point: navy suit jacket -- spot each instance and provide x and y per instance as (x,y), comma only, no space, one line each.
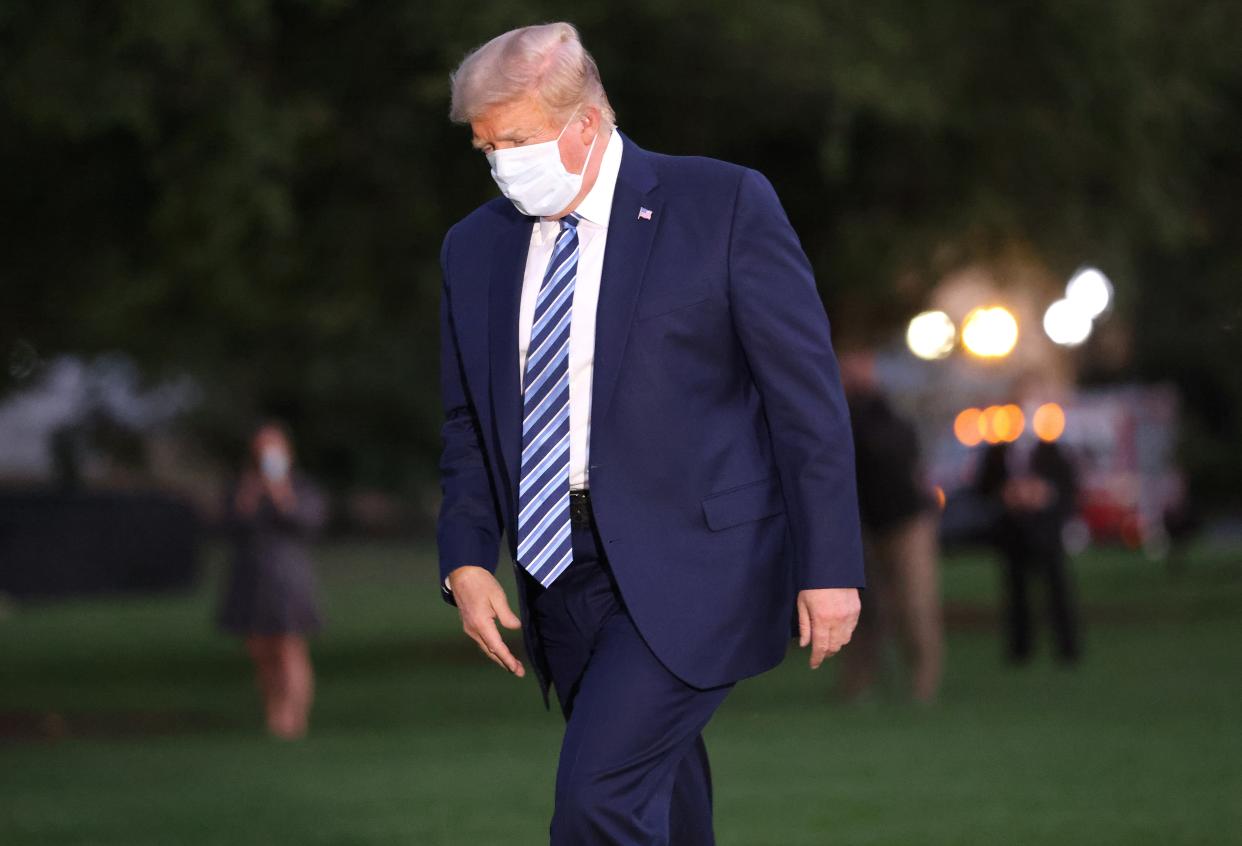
(721,463)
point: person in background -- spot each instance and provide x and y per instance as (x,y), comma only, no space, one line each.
(270,595)
(899,516)
(1035,489)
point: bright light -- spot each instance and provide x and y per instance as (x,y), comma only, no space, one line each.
(986,428)
(966,427)
(931,335)
(990,332)
(1090,291)
(1048,421)
(1009,423)
(1001,424)
(1067,323)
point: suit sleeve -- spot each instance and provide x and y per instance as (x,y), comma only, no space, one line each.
(991,476)
(784,332)
(468,530)
(1064,480)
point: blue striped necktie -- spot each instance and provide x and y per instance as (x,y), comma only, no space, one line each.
(545,548)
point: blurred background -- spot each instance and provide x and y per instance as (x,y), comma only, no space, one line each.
(217,213)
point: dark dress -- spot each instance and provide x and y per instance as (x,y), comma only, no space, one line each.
(271,585)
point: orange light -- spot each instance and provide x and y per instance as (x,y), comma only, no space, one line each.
(987,424)
(1009,423)
(966,427)
(1048,421)
(940,497)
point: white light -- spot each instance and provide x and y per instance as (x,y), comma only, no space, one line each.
(990,332)
(931,334)
(1090,291)
(1066,323)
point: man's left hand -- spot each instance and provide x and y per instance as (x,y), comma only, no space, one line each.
(826,620)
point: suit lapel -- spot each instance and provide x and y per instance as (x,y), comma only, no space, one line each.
(504,299)
(625,259)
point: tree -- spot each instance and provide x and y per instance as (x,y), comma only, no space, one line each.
(256,190)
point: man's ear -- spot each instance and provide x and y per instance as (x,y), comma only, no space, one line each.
(591,125)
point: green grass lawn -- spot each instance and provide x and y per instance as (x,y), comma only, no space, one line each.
(131,722)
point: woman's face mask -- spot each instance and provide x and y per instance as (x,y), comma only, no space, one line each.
(274,463)
(534,178)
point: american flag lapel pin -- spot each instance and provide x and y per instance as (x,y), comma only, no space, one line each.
(644,213)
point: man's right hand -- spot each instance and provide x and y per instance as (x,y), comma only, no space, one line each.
(481,601)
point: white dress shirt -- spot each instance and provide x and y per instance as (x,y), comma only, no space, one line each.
(595,209)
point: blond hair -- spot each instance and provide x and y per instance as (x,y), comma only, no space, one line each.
(547,61)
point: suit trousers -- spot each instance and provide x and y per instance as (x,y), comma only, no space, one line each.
(633,768)
(1033,551)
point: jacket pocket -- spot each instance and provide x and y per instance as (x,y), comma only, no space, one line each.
(662,304)
(744,504)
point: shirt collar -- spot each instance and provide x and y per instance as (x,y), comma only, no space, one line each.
(596,206)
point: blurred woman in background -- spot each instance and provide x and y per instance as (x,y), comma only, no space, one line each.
(270,595)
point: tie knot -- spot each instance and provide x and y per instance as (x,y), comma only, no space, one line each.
(570,222)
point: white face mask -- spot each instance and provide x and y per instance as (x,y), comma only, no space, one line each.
(274,463)
(534,178)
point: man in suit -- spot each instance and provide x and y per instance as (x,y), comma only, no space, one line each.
(640,392)
(1034,487)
